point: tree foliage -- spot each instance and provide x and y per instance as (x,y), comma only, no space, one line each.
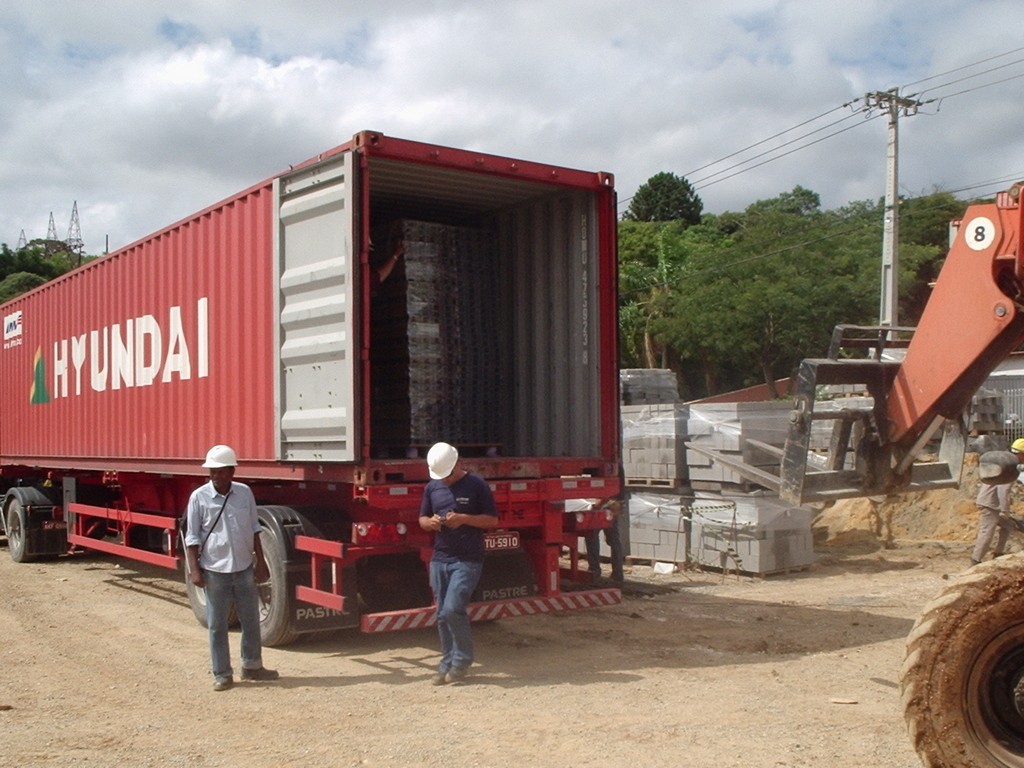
(665,197)
(18,283)
(740,298)
(38,262)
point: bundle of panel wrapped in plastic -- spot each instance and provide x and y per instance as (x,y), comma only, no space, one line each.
(434,358)
(735,429)
(753,534)
(654,445)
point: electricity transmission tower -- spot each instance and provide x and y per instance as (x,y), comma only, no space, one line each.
(74,239)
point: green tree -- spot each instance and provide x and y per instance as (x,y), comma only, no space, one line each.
(43,259)
(651,258)
(19,283)
(749,312)
(665,197)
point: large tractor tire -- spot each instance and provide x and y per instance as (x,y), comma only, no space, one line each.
(964,664)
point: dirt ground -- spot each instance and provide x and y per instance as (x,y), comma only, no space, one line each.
(103,665)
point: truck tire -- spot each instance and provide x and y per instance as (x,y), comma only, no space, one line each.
(964,658)
(16,526)
(276,627)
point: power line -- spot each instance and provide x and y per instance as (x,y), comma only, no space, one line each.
(711,179)
(971,77)
(739,168)
(770,151)
(940,99)
(961,68)
(774,136)
(785,154)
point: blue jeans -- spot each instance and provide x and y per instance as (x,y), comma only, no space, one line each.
(239,588)
(453,584)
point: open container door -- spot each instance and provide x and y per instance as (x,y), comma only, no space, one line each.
(313,255)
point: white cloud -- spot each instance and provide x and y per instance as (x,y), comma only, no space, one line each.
(147,112)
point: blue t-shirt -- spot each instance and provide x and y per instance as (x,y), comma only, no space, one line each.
(470,495)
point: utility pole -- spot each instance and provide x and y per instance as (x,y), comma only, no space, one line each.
(895,105)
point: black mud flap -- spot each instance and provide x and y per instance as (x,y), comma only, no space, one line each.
(507,574)
(44,536)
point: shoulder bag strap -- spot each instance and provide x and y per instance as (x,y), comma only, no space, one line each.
(215,521)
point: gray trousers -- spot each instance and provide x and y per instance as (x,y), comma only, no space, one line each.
(989,521)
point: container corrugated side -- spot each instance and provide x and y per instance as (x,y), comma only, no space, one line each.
(152,353)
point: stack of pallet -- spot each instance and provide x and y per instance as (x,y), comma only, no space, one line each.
(684,507)
(659,526)
(436,370)
(748,534)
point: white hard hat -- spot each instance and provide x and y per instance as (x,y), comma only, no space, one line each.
(441,460)
(220,456)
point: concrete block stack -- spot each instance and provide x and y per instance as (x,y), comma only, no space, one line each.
(638,386)
(759,535)
(726,428)
(986,413)
(821,431)
(658,527)
(654,445)
(686,508)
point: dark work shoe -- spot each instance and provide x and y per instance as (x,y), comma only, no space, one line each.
(222,683)
(260,673)
(456,675)
(439,679)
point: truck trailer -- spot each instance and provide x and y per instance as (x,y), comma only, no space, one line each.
(263,322)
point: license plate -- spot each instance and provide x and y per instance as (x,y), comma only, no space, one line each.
(503,540)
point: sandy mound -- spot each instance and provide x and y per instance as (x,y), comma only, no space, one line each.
(944,515)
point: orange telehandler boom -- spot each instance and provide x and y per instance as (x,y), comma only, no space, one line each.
(972,321)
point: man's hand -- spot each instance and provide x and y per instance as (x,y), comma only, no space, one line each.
(433,523)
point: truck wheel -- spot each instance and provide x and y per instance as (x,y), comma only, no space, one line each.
(964,658)
(16,526)
(276,627)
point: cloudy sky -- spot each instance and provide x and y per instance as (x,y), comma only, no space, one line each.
(145,112)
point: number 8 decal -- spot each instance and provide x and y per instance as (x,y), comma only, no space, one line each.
(979,233)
